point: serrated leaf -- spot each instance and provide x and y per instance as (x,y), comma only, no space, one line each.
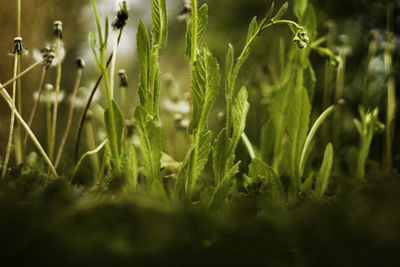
(159,23)
(321,183)
(202,21)
(151,144)
(206,196)
(297,124)
(272,190)
(229,66)
(205,87)
(224,188)
(239,114)
(193,165)
(119,126)
(221,156)
(280,12)
(143,50)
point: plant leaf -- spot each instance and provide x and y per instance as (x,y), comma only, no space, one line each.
(297,125)
(239,114)
(159,23)
(205,87)
(280,12)
(119,125)
(193,165)
(143,49)
(253,28)
(272,190)
(202,17)
(299,7)
(324,173)
(151,144)
(224,188)
(221,156)
(132,169)
(229,66)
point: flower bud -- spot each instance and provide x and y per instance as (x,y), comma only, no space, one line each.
(122,16)
(18,48)
(80,62)
(48,55)
(58,28)
(123,80)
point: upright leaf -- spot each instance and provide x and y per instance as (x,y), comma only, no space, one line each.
(272,190)
(280,12)
(159,23)
(324,173)
(229,66)
(253,27)
(119,125)
(297,125)
(221,156)
(151,144)
(205,87)
(193,165)
(299,7)
(201,28)
(143,49)
(224,188)
(239,114)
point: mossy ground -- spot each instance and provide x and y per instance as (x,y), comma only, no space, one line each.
(55,224)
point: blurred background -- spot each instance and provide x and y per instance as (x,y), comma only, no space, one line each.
(228,23)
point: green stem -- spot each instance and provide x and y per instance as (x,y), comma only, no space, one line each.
(70,115)
(36,104)
(22,73)
(55,110)
(8,99)
(13,110)
(248,145)
(194,33)
(92,152)
(310,136)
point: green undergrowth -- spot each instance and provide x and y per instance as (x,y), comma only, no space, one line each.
(54,223)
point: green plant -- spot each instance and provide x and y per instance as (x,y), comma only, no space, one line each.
(367,127)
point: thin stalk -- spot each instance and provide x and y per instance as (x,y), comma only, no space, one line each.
(36,104)
(92,152)
(341,70)
(89,102)
(391,90)
(31,67)
(112,68)
(371,54)
(19,148)
(48,123)
(328,81)
(13,110)
(92,145)
(55,109)
(8,99)
(19,11)
(70,115)
(248,145)
(310,136)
